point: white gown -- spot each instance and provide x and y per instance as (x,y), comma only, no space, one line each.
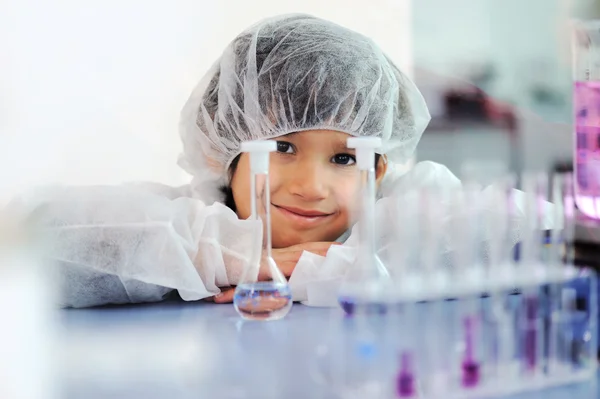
(137,243)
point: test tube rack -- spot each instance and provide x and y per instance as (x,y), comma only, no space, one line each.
(545,337)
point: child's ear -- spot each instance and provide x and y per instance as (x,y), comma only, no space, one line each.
(381,169)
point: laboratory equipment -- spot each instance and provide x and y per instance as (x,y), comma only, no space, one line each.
(500,325)
(263,292)
(406,377)
(471,365)
(586,102)
(586,165)
(367,285)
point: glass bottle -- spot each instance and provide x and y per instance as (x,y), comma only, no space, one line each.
(263,292)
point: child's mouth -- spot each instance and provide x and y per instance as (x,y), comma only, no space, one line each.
(302,216)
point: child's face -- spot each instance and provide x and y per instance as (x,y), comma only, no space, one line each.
(313,180)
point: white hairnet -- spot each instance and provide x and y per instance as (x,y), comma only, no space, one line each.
(293,73)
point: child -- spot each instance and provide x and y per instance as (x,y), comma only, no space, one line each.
(308,84)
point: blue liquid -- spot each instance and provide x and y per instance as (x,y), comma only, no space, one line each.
(263,300)
(351,306)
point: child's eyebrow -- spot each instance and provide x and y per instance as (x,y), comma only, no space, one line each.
(341,146)
(290,135)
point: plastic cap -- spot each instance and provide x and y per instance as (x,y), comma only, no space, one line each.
(259,154)
(259,146)
(364,142)
(365,150)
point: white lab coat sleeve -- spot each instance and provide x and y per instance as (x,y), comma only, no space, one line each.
(136,243)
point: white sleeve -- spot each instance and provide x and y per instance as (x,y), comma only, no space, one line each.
(127,244)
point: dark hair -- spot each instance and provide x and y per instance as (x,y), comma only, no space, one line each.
(226,190)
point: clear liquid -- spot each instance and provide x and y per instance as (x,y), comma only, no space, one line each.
(586,98)
(263,300)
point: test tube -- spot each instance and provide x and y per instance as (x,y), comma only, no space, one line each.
(468,275)
(568,214)
(568,342)
(576,345)
(434,341)
(500,345)
(263,292)
(471,363)
(407,373)
(532,273)
(500,266)
(557,249)
(535,188)
(367,284)
(409,251)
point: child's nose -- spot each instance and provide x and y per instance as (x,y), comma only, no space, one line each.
(309,183)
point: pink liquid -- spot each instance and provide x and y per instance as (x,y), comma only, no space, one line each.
(586,98)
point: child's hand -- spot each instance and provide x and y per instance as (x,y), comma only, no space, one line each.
(286,259)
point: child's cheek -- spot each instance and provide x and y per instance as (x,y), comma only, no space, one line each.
(274,178)
(346,197)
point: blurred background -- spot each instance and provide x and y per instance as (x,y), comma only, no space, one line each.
(91,91)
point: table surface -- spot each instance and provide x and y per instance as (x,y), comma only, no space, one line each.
(176,349)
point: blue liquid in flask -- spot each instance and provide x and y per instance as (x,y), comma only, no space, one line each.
(263,300)
(586,97)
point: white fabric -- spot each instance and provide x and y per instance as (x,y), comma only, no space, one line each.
(137,243)
(316,279)
(292,73)
(130,244)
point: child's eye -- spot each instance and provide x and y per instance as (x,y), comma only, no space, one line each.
(285,147)
(343,159)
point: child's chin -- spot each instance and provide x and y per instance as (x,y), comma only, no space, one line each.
(287,241)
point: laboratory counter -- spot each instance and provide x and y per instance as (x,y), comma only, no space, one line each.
(176,349)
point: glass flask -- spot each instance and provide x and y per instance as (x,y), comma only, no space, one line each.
(263,292)
(367,285)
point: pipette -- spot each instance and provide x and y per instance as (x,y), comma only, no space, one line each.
(367,284)
(263,292)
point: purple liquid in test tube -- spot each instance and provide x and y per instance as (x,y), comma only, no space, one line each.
(530,344)
(405,382)
(470,367)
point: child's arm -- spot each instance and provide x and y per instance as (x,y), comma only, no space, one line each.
(110,245)
(286,259)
